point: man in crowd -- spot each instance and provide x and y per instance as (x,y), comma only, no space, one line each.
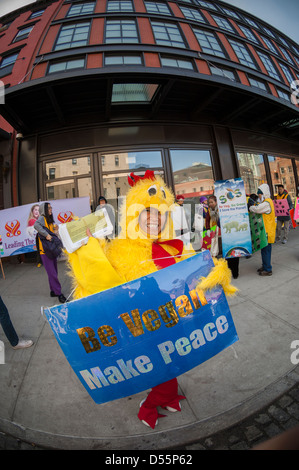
(265,206)
(283,221)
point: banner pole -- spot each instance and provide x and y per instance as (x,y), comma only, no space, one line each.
(2,269)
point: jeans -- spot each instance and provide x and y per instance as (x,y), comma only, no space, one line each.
(282,225)
(266,257)
(6,324)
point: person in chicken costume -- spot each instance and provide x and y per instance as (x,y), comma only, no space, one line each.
(144,245)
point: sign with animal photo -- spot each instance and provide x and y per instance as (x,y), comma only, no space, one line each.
(234,218)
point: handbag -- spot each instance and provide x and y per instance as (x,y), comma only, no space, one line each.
(52,248)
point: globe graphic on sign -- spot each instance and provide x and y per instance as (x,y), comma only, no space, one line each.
(230,195)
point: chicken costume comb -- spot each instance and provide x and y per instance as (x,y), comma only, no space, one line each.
(133,179)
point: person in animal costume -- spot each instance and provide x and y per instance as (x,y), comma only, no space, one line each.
(144,245)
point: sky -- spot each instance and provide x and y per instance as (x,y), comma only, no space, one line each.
(282,14)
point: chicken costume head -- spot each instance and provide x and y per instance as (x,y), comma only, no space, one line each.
(144,245)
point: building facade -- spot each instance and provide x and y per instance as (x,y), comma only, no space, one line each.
(195,90)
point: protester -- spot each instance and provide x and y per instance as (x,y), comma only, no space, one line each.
(145,247)
(266,208)
(283,221)
(46,228)
(9,330)
(102,202)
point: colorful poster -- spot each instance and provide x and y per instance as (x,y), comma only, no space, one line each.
(234,218)
(142,333)
(258,232)
(281,207)
(17,233)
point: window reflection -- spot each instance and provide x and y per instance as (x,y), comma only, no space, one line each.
(65,168)
(252,171)
(282,173)
(192,172)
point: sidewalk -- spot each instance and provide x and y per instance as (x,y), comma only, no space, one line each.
(43,402)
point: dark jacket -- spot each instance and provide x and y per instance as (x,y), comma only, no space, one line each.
(52,248)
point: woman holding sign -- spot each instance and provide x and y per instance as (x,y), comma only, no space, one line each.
(46,228)
(265,207)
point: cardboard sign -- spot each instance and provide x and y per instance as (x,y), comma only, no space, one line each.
(142,333)
(281,207)
(258,232)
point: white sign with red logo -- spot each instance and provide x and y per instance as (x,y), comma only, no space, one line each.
(17,233)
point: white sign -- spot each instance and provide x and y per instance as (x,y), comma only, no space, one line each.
(17,233)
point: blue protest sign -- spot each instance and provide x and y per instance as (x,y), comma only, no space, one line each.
(142,333)
(234,218)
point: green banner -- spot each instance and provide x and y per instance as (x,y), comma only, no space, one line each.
(258,232)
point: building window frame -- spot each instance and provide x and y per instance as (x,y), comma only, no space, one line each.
(120,6)
(77,9)
(74,32)
(120,26)
(169,31)
(243,54)
(208,42)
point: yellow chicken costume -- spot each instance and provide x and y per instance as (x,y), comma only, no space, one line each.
(144,245)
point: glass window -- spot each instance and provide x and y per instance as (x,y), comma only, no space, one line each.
(132,160)
(123,60)
(167,34)
(61,189)
(257,84)
(23,34)
(224,73)
(192,172)
(9,60)
(36,14)
(268,31)
(208,43)
(252,23)
(269,66)
(249,34)
(287,55)
(74,35)
(282,173)
(133,92)
(282,94)
(287,73)
(121,5)
(231,13)
(205,4)
(81,9)
(67,65)
(243,54)
(156,7)
(174,62)
(223,23)
(121,31)
(64,168)
(270,44)
(193,14)
(252,171)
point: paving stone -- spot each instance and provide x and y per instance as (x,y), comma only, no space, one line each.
(252,433)
(263,418)
(272,430)
(293,409)
(280,415)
